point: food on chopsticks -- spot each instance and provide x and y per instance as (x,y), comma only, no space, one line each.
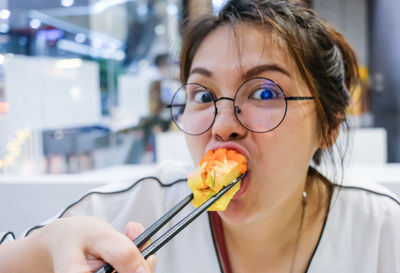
(216,170)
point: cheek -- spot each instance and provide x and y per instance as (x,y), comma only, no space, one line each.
(197,146)
(292,144)
(302,134)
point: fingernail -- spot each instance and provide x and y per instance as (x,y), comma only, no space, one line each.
(141,270)
(136,230)
(139,228)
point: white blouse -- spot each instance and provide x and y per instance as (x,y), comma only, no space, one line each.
(361,233)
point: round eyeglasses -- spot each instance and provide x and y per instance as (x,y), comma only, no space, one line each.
(259,105)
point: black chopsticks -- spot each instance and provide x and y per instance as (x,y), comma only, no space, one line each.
(168,235)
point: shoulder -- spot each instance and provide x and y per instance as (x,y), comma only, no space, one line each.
(366,199)
(361,231)
(364,204)
(141,198)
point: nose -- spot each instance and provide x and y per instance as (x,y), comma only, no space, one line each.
(226,126)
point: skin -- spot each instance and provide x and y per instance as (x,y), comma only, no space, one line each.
(262,224)
(69,245)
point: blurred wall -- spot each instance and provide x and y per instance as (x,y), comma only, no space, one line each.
(350,17)
(385,70)
(51,92)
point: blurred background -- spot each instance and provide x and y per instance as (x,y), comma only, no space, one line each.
(84,83)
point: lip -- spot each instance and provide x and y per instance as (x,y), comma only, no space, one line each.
(243,186)
(243,151)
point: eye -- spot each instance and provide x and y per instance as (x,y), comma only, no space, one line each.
(265,94)
(202,96)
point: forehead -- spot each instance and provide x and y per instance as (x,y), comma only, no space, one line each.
(238,48)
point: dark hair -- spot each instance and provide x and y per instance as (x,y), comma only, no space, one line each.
(325,60)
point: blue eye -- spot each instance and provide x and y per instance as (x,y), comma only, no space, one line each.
(203,97)
(264,94)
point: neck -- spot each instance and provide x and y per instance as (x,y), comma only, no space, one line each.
(271,241)
(278,230)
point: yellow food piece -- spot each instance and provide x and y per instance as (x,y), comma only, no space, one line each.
(215,171)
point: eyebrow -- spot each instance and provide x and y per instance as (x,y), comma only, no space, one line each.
(257,70)
(201,71)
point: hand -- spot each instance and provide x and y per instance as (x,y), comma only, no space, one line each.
(83,244)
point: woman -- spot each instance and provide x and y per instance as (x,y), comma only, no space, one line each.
(269,79)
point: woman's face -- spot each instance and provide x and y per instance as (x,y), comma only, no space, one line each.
(277,160)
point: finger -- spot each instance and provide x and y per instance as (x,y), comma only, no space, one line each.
(152,262)
(119,251)
(133,230)
(94,263)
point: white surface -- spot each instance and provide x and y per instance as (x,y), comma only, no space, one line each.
(369,146)
(387,175)
(362,146)
(133,95)
(26,201)
(172,145)
(51,92)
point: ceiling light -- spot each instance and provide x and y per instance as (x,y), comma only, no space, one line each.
(159,30)
(67,3)
(80,38)
(35,23)
(5,14)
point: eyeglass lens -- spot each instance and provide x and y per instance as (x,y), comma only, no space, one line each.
(259,105)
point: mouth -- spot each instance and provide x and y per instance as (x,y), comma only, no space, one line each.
(245,181)
(243,186)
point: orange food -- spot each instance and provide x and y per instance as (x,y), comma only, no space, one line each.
(216,170)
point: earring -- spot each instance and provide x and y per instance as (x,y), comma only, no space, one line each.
(304,200)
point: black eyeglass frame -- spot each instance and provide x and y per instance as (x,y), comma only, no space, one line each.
(235,107)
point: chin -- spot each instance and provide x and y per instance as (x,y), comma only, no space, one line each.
(236,213)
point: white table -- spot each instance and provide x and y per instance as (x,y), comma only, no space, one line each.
(26,201)
(387,175)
